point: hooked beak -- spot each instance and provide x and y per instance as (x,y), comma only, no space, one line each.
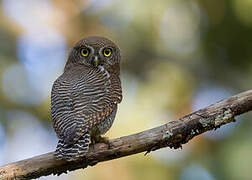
(96,61)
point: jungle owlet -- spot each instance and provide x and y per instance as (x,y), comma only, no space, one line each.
(84,98)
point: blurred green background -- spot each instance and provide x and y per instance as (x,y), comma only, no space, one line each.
(178,56)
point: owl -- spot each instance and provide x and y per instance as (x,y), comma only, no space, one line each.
(85,97)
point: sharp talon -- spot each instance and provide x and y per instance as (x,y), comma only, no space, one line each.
(104,140)
(100,139)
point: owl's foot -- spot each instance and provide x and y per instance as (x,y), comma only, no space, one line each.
(99,139)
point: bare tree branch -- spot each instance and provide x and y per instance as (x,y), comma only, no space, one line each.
(172,134)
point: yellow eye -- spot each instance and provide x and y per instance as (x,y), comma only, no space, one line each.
(84,52)
(107,52)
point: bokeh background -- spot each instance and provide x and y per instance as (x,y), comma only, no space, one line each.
(178,56)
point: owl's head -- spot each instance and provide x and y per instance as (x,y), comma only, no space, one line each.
(95,51)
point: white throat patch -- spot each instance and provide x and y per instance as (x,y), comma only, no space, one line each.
(104,70)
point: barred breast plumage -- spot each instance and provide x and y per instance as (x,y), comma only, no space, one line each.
(84,98)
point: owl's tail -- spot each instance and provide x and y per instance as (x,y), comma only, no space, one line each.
(73,151)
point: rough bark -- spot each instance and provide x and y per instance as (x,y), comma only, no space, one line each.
(173,135)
